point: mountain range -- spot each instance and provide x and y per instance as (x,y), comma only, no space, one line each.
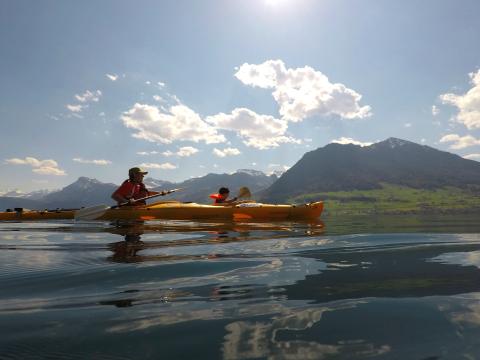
(87,192)
(334,167)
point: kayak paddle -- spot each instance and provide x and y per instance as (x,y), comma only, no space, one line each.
(94,212)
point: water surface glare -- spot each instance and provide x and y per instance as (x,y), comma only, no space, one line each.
(398,287)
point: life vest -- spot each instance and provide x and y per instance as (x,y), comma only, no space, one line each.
(218,198)
(131,190)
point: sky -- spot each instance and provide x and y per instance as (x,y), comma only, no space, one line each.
(185,88)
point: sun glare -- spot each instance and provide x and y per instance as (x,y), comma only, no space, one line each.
(274,2)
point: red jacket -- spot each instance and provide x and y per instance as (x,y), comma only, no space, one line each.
(131,190)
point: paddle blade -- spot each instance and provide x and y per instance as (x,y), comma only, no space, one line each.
(91,213)
(244,192)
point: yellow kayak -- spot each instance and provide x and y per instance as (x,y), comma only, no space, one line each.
(175,210)
(27,215)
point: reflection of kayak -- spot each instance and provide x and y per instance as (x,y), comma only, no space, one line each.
(175,210)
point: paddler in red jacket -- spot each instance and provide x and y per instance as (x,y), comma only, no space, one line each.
(222,197)
(133,188)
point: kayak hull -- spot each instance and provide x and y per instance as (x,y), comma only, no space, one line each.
(194,211)
(34,215)
(174,210)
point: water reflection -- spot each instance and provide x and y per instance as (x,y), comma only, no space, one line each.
(128,250)
(238,290)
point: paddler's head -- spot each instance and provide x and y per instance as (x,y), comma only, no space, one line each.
(136,174)
(224,192)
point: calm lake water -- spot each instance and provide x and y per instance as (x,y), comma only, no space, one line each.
(399,287)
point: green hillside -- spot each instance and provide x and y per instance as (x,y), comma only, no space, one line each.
(395,199)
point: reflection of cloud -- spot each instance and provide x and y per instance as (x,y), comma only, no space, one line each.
(471,258)
(260,340)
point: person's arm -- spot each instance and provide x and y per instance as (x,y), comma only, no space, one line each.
(119,198)
(119,195)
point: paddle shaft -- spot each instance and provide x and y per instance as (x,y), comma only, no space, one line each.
(163,193)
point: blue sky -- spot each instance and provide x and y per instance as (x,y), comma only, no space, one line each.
(189,87)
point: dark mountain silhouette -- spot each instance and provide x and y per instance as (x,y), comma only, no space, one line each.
(337,167)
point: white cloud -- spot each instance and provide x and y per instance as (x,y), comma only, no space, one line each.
(147,152)
(408,125)
(164,166)
(94,162)
(75,108)
(303,92)
(112,77)
(472,156)
(259,131)
(180,123)
(435,110)
(161,84)
(226,152)
(44,167)
(157,98)
(468,104)
(186,151)
(89,96)
(346,140)
(460,142)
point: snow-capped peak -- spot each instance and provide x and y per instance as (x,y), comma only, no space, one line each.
(251,172)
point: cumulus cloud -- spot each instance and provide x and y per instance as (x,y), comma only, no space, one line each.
(89,96)
(179,123)
(43,167)
(347,140)
(468,104)
(460,142)
(258,131)
(226,152)
(164,166)
(303,92)
(186,151)
(112,77)
(472,156)
(435,110)
(94,162)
